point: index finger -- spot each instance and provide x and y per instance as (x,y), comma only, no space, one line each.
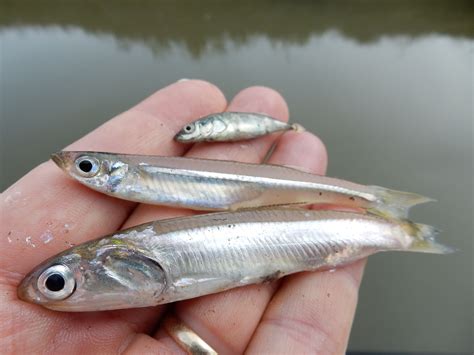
(46,212)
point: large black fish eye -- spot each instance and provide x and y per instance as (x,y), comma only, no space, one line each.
(188,128)
(85,166)
(55,282)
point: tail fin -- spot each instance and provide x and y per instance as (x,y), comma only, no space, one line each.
(424,239)
(395,204)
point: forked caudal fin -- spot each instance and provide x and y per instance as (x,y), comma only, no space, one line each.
(424,239)
(395,204)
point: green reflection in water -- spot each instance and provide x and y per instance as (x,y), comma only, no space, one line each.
(200,25)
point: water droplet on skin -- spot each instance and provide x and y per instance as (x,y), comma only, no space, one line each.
(46,237)
(68,227)
(14,235)
(13,197)
(29,242)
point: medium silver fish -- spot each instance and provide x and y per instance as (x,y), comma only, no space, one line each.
(204,184)
(181,258)
(232,126)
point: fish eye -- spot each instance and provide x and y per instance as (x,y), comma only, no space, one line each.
(189,128)
(57,282)
(87,166)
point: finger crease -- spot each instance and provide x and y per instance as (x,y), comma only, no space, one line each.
(303,332)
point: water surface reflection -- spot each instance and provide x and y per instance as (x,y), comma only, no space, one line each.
(199,26)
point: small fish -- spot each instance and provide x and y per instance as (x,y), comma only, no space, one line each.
(182,258)
(204,184)
(232,126)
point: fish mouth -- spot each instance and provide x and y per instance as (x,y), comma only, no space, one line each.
(26,292)
(179,137)
(62,159)
(22,292)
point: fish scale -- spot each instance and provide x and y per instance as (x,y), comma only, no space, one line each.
(232,126)
(181,258)
(205,184)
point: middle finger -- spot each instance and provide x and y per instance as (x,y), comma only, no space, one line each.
(227,320)
(254,99)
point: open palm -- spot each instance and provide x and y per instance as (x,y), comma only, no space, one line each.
(45,212)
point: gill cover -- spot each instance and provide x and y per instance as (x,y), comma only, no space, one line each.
(106,276)
(118,278)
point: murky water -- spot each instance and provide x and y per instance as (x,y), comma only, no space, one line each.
(387,85)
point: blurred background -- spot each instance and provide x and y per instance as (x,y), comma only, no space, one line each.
(387,85)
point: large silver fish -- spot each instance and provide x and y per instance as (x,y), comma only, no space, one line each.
(223,185)
(182,258)
(232,126)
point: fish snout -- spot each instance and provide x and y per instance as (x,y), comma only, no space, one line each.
(182,136)
(62,159)
(27,292)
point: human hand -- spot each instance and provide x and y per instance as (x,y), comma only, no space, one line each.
(45,212)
